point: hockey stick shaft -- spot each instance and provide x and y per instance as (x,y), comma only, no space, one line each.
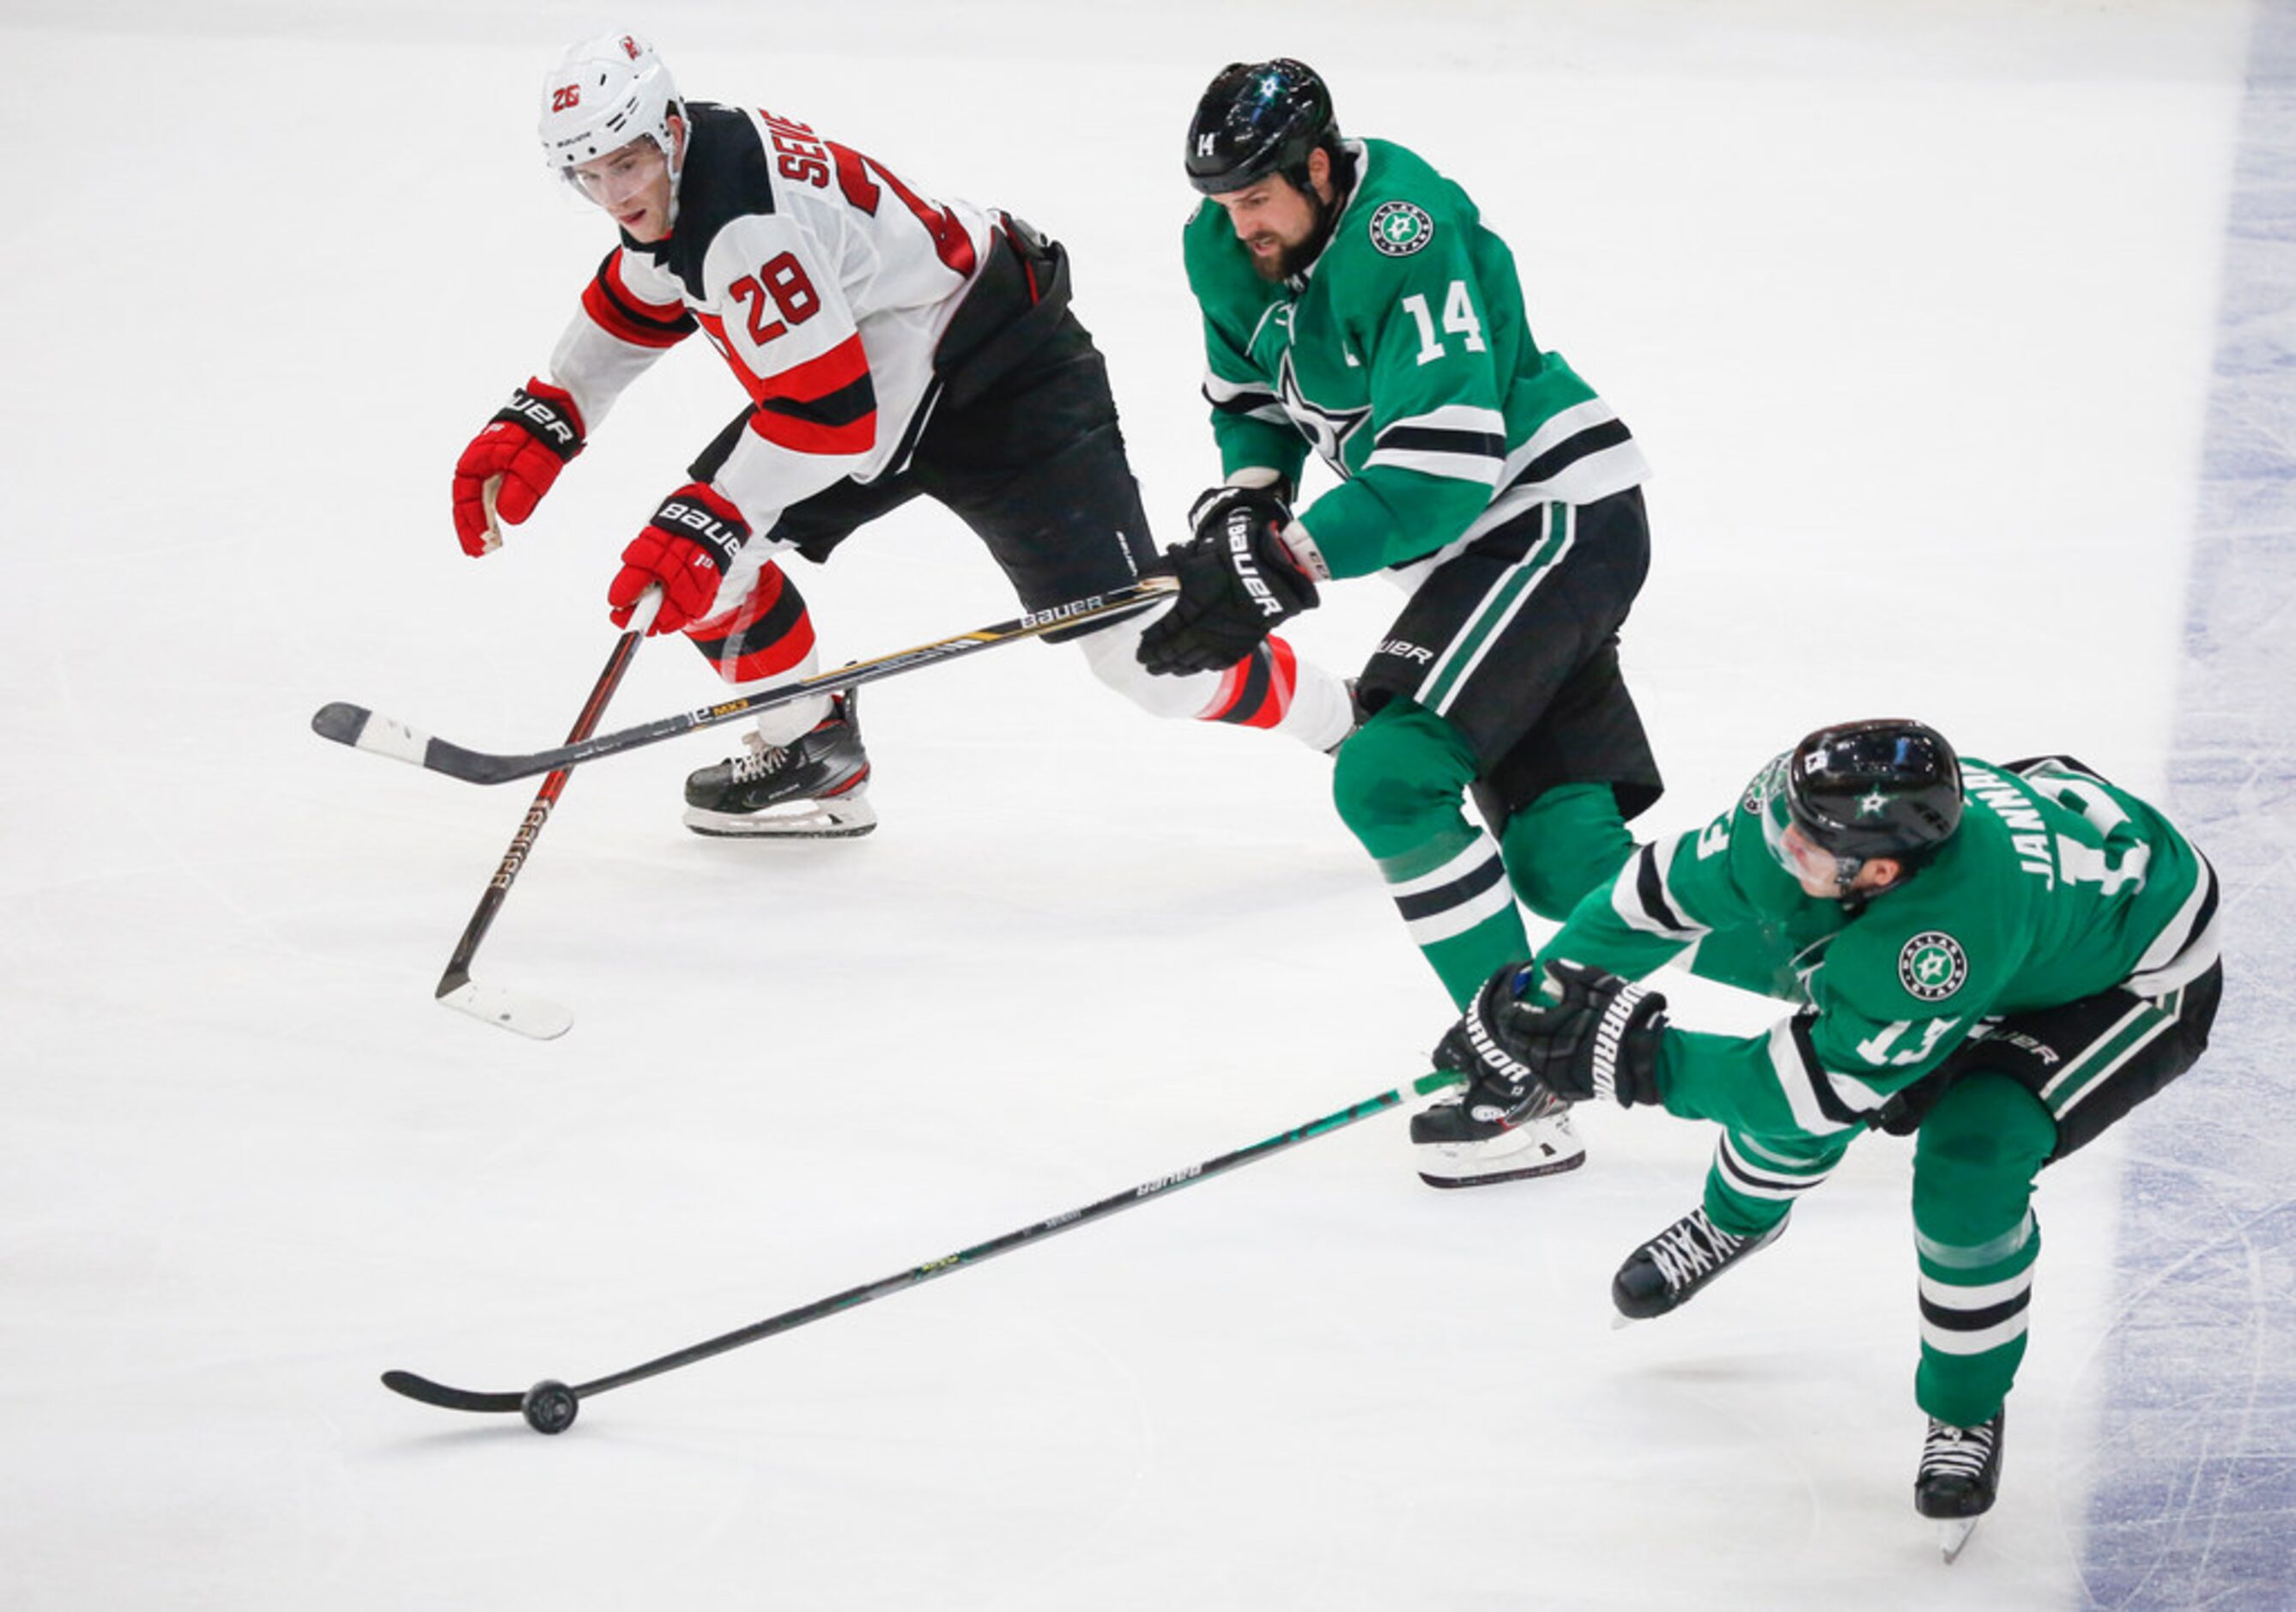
(357,726)
(529,829)
(463,1399)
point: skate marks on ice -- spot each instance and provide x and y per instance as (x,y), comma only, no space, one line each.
(2194,1501)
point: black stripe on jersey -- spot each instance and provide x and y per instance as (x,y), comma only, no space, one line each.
(1258,673)
(785,616)
(1651,891)
(1572,448)
(1458,893)
(683,325)
(1829,1100)
(1243,402)
(2030,765)
(1946,1320)
(1744,1175)
(726,176)
(857,399)
(1431,439)
(2206,916)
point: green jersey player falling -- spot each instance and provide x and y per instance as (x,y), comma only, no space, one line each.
(1354,302)
(2003,960)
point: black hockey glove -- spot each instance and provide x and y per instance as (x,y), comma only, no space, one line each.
(1600,1041)
(1237,581)
(1500,1085)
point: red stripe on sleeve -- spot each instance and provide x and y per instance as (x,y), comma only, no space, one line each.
(609,318)
(667,312)
(611,312)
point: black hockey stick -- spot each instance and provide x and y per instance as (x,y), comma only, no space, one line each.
(357,726)
(550,1405)
(534,1015)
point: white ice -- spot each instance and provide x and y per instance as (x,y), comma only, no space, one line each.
(1911,305)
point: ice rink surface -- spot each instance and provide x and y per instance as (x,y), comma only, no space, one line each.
(1925,316)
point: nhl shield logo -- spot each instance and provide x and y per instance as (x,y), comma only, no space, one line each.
(1932,965)
(1398,228)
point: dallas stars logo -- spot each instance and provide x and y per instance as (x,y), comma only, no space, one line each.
(1328,429)
(1932,965)
(1873,804)
(1398,228)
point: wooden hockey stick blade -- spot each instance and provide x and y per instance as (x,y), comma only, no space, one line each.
(533,1016)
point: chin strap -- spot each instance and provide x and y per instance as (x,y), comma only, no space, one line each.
(1327,213)
(1846,870)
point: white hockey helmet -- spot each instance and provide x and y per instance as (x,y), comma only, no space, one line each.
(603,92)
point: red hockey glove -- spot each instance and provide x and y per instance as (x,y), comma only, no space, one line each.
(684,550)
(512,462)
(1237,581)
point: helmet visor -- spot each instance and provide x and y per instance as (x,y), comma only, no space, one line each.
(1804,859)
(620,178)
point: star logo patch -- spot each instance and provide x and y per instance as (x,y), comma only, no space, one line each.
(1873,803)
(1932,965)
(1400,228)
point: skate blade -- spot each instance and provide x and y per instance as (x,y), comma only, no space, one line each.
(1953,1534)
(532,1017)
(821,821)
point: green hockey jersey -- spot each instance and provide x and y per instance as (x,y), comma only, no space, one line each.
(1403,356)
(2057,886)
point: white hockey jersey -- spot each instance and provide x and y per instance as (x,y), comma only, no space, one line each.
(822,279)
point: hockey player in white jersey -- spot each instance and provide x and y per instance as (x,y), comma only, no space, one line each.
(891,344)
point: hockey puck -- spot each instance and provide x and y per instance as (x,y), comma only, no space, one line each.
(549,1406)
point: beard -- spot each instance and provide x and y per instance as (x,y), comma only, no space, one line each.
(1286,262)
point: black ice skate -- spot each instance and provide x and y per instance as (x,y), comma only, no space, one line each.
(1960,1475)
(1667,1271)
(813,787)
(1458,1148)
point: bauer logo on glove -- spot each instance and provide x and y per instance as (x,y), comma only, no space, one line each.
(1237,582)
(1241,528)
(723,537)
(685,550)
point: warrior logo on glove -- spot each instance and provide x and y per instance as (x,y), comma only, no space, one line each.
(1599,1040)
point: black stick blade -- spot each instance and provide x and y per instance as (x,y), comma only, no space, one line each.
(445,1398)
(340,721)
(362,729)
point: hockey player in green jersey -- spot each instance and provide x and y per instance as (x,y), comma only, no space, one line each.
(1353,301)
(2000,960)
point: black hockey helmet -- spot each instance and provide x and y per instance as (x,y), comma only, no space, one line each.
(1258,118)
(1880,788)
